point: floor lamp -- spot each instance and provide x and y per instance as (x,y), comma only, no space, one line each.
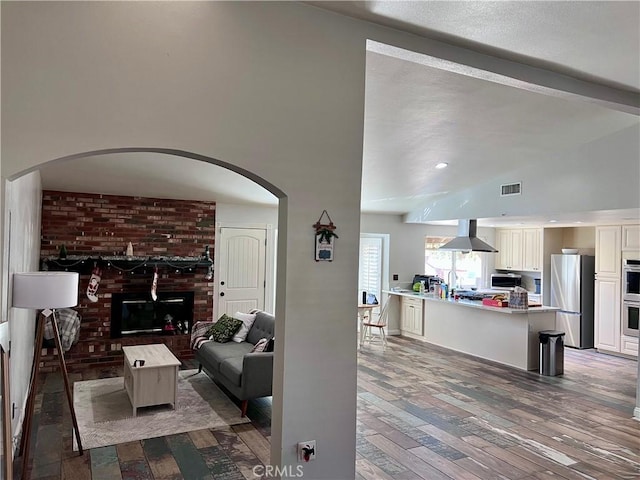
(45,291)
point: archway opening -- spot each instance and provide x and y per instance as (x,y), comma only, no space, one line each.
(183,160)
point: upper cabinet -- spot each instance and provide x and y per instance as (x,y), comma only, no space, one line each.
(608,255)
(630,238)
(509,245)
(519,249)
(532,249)
(503,245)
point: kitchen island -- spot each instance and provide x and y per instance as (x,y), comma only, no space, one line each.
(501,334)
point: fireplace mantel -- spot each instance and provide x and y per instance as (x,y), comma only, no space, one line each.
(85,263)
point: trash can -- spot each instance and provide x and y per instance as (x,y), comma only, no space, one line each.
(551,353)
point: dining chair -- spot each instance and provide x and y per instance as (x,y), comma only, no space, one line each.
(380,324)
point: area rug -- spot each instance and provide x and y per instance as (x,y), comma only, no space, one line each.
(105,416)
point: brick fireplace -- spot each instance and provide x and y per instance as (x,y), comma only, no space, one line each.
(95,228)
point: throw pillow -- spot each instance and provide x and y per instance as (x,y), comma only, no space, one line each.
(225,328)
(247,322)
(212,326)
(260,345)
(270,344)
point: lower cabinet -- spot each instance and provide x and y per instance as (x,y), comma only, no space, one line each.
(607,314)
(411,315)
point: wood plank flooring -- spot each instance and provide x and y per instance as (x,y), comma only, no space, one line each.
(423,413)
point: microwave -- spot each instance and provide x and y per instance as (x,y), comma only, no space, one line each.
(631,280)
(505,281)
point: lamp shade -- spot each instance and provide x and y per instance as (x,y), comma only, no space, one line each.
(45,289)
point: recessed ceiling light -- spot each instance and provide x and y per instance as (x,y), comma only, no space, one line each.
(442,165)
(578,221)
(553,221)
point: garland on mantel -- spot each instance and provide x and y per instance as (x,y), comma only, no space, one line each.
(134,262)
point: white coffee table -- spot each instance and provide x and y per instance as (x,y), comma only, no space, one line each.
(156,382)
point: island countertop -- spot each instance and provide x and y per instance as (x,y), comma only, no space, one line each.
(470,303)
(501,334)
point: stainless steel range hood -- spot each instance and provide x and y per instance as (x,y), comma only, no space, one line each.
(466,240)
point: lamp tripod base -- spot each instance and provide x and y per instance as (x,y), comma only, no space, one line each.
(26,426)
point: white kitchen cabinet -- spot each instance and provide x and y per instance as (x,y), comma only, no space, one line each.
(608,251)
(607,313)
(516,250)
(503,245)
(411,315)
(630,238)
(532,249)
(509,245)
(629,345)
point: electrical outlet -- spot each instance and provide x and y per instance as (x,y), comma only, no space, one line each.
(395,277)
(307,451)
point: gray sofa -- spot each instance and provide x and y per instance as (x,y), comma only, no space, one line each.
(246,375)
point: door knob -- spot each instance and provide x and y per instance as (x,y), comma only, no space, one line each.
(222,283)
(222,294)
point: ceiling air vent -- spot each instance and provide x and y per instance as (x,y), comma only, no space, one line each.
(511,189)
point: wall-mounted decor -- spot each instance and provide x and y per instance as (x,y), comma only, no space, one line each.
(325,232)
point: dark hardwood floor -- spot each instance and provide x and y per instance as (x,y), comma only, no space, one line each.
(423,413)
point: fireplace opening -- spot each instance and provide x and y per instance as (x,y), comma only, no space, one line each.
(135,313)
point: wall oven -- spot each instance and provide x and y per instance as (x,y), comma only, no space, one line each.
(630,318)
(631,280)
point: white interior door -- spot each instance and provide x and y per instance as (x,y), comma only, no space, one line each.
(241,272)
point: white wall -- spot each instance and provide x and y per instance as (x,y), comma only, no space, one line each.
(582,238)
(246,215)
(23,203)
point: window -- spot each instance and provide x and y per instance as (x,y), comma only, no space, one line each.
(468,267)
(370,271)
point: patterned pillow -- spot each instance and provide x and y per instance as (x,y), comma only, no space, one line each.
(212,326)
(260,345)
(224,329)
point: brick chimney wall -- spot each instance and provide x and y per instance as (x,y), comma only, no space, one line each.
(103,225)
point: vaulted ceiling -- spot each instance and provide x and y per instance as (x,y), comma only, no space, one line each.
(418,114)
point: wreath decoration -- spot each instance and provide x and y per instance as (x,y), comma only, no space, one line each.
(326,231)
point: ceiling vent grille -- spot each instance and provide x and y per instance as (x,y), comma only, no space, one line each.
(511,189)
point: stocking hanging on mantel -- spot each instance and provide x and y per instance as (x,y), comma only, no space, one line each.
(325,232)
(154,285)
(94,283)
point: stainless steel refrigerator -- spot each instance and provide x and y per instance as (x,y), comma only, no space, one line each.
(572,285)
